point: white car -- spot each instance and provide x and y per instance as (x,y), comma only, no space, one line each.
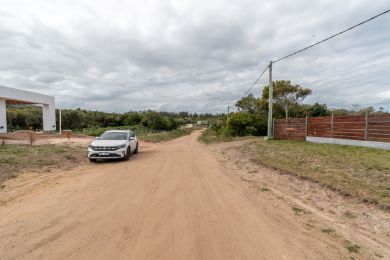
(113,144)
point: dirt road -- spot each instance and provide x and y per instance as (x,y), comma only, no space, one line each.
(173,200)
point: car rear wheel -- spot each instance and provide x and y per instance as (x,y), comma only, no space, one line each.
(136,149)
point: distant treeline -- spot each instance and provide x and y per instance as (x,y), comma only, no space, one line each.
(30,117)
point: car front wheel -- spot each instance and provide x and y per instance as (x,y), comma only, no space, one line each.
(127,155)
(136,149)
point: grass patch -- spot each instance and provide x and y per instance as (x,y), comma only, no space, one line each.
(299,211)
(358,171)
(264,189)
(210,136)
(353,248)
(328,230)
(155,137)
(349,214)
(15,159)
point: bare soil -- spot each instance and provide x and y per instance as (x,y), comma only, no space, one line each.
(174,200)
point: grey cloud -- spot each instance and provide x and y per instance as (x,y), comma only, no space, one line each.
(197,56)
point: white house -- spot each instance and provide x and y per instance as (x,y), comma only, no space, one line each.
(17,96)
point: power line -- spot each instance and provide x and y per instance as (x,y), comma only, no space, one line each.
(330,37)
(254,83)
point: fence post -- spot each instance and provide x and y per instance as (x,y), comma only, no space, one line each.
(366,128)
(331,125)
(306,126)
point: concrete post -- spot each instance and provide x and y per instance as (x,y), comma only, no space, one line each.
(306,126)
(49,117)
(60,121)
(366,128)
(270,99)
(3,116)
(332,125)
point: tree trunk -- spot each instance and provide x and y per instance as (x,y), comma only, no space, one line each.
(286,111)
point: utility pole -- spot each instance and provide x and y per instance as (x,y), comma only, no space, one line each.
(270,98)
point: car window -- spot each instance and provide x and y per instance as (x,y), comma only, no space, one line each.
(113,136)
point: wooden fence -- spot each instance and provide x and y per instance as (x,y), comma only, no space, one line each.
(360,127)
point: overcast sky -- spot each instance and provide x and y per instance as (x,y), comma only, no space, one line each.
(198,56)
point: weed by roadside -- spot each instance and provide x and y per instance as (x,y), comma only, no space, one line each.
(328,230)
(299,211)
(353,248)
(210,136)
(15,159)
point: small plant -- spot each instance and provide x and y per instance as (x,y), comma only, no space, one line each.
(353,248)
(12,175)
(264,189)
(349,214)
(69,157)
(328,230)
(299,211)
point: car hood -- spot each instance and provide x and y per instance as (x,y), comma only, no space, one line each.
(108,142)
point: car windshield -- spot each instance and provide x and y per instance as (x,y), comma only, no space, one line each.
(113,136)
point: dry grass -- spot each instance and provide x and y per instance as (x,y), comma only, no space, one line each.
(163,136)
(15,159)
(361,172)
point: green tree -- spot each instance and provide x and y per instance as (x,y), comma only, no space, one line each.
(318,110)
(285,94)
(249,104)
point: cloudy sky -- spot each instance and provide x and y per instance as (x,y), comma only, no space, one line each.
(199,56)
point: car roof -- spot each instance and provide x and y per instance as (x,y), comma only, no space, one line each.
(120,131)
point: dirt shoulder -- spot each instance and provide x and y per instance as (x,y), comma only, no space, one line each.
(361,227)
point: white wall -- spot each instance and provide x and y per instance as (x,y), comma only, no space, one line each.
(48,102)
(3,119)
(369,144)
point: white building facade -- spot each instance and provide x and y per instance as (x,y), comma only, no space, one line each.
(17,96)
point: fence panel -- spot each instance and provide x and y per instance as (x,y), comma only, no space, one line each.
(290,129)
(357,127)
(349,127)
(319,126)
(379,128)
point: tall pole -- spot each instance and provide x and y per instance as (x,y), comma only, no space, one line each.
(60,121)
(270,98)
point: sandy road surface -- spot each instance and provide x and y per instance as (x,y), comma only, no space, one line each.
(173,200)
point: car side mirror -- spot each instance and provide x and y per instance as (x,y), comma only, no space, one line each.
(131,138)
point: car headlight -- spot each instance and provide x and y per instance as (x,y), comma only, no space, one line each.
(122,146)
(90,146)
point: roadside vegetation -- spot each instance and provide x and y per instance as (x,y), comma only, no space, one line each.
(354,171)
(155,137)
(27,117)
(143,133)
(15,159)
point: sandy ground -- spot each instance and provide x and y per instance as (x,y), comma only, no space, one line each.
(173,200)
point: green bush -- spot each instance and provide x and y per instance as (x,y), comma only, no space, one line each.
(245,123)
(156,121)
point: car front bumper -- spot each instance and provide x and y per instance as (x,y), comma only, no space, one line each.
(120,153)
